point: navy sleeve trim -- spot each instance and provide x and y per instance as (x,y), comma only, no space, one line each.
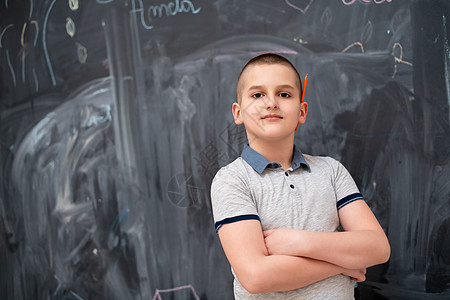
(235,219)
(350,198)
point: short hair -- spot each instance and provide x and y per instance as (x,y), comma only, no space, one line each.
(267,59)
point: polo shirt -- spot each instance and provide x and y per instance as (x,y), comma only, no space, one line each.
(306,196)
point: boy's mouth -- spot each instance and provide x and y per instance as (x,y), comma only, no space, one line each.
(272,117)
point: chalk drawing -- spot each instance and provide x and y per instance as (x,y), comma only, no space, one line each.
(11,69)
(366,2)
(297,7)
(184,287)
(134,10)
(70,27)
(44,43)
(326,18)
(446,60)
(399,59)
(74,5)
(3,32)
(300,41)
(353,45)
(366,35)
(184,103)
(173,8)
(31,9)
(76,295)
(59,286)
(13,75)
(22,34)
(36,82)
(35,23)
(22,43)
(23,65)
(182,191)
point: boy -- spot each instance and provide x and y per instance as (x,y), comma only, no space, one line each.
(277,211)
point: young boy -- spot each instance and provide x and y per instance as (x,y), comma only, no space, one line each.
(277,211)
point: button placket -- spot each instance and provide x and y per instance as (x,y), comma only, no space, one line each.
(288,181)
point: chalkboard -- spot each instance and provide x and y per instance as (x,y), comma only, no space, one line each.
(116,114)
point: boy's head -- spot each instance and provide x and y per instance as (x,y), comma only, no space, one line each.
(269,97)
(268,59)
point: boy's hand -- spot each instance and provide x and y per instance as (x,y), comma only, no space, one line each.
(356,275)
(293,242)
(284,241)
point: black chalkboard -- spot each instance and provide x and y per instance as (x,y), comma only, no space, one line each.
(115,116)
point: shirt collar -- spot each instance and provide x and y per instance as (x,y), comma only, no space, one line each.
(259,163)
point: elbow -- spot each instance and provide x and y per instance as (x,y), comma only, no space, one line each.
(378,253)
(254,281)
(385,252)
(253,286)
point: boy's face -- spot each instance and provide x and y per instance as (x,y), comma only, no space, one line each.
(269,104)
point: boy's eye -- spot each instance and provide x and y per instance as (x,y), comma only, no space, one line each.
(257,95)
(284,95)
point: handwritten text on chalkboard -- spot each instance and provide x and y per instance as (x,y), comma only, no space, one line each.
(350,2)
(173,8)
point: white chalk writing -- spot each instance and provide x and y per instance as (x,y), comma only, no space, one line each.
(170,9)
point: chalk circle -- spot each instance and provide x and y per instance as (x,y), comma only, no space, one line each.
(70,27)
(82,53)
(182,191)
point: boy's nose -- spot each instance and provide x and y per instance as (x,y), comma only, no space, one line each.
(271,103)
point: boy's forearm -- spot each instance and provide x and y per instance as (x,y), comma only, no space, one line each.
(353,250)
(276,273)
(361,245)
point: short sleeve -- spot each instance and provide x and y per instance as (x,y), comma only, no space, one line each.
(231,198)
(345,187)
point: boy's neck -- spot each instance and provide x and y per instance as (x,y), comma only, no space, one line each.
(280,152)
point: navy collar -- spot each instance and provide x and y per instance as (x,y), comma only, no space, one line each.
(259,163)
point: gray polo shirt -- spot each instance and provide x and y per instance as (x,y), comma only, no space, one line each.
(306,196)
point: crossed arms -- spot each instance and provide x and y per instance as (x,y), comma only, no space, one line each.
(286,259)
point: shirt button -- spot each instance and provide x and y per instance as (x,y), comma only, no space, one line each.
(286,173)
(292,186)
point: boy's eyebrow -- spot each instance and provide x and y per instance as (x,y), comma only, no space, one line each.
(261,87)
(256,87)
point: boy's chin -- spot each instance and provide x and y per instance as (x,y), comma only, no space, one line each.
(274,136)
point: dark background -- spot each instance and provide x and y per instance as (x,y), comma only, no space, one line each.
(115,116)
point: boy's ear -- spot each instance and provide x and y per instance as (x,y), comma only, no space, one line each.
(236,109)
(303,112)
